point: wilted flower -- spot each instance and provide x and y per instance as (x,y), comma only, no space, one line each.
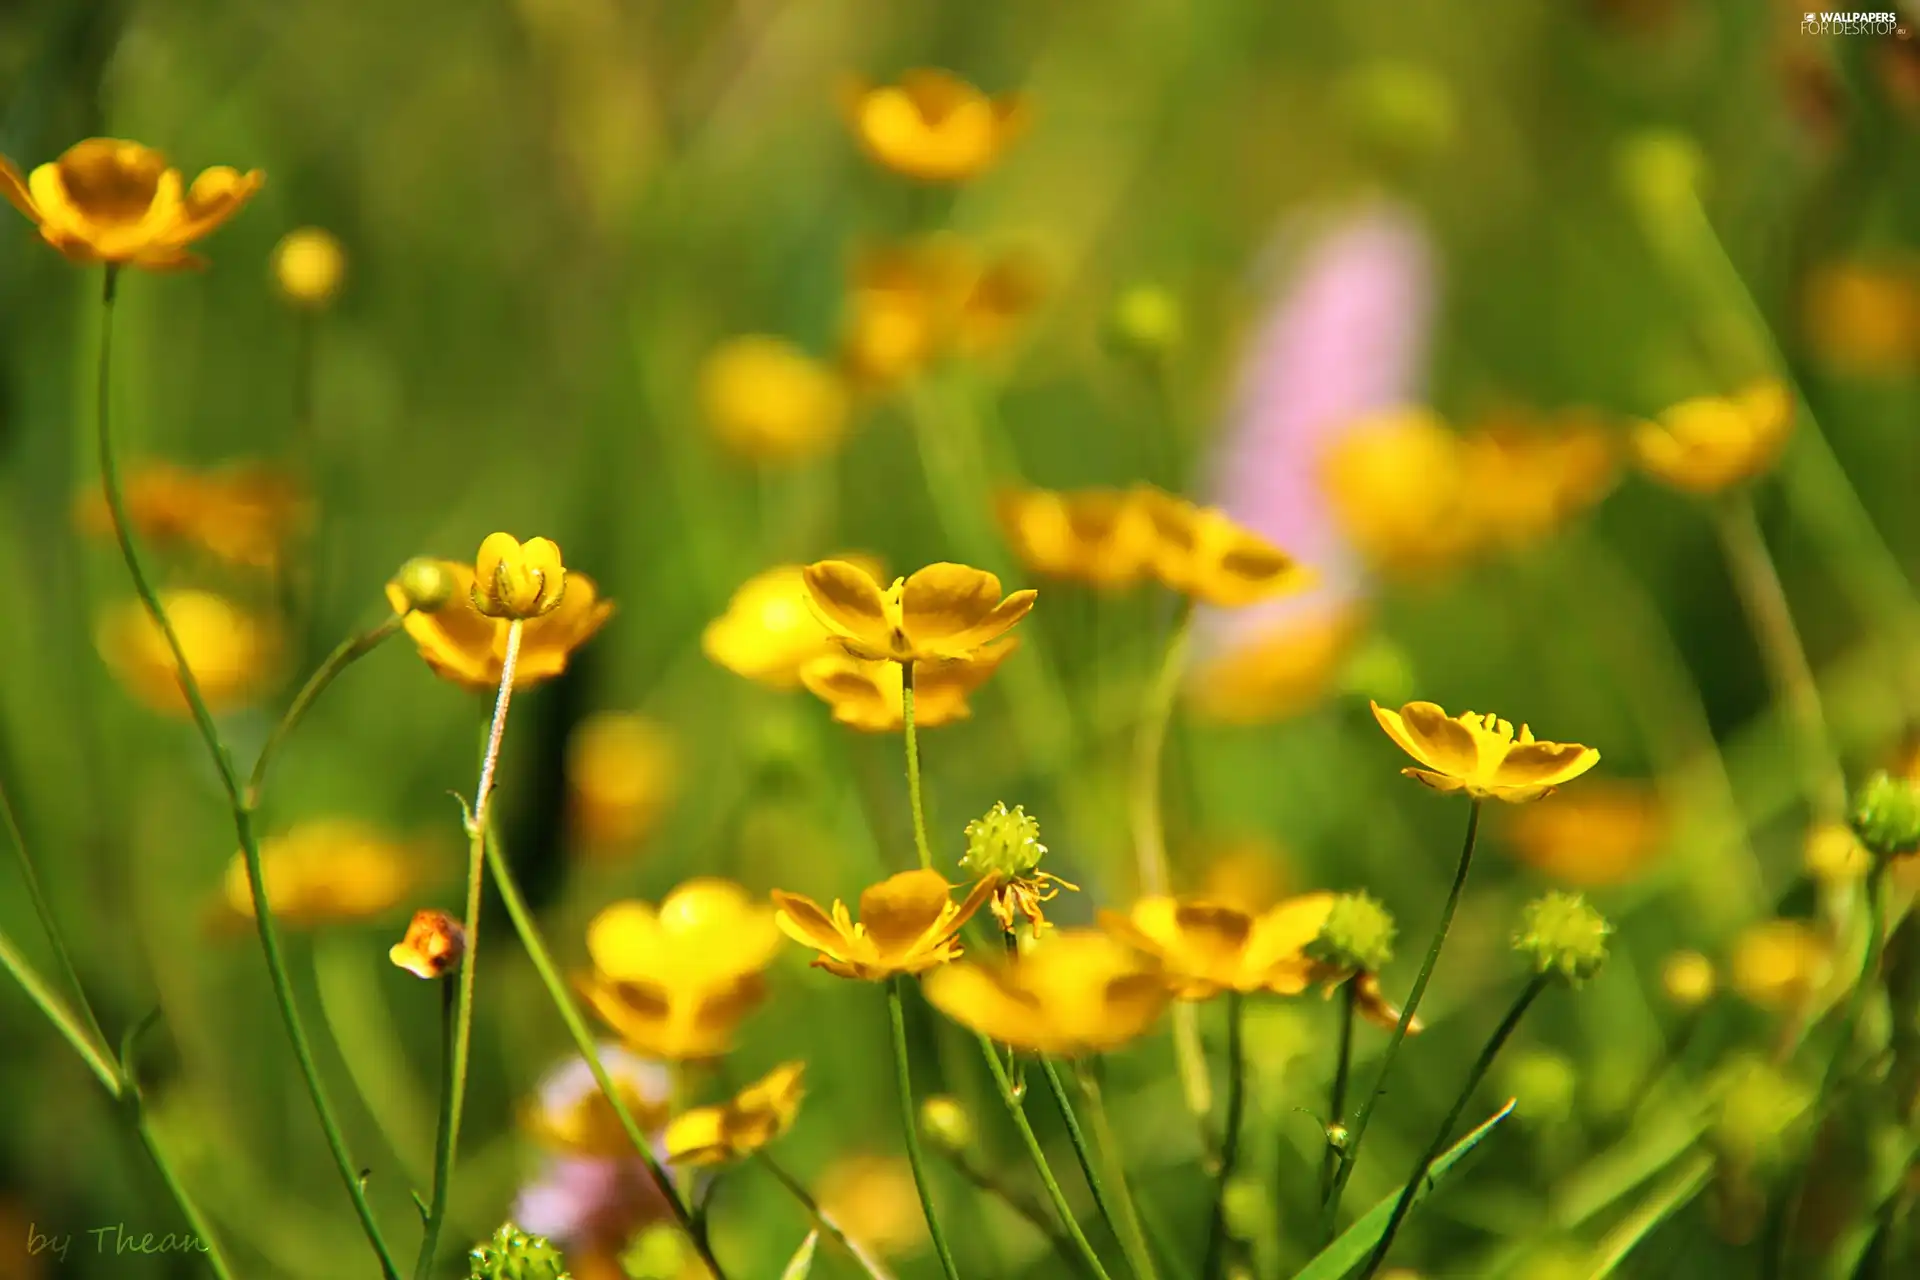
(1562,934)
(515,580)
(1709,443)
(1398,486)
(242,514)
(1003,846)
(1779,964)
(571,1116)
(767,400)
(1097,536)
(118,202)
(621,774)
(908,924)
(1206,948)
(939,613)
(933,125)
(234,655)
(467,647)
(1480,755)
(1687,978)
(1200,552)
(327,870)
(434,945)
(308,266)
(1077,991)
(870,695)
(748,1121)
(1605,833)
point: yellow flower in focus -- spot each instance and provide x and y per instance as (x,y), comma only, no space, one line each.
(1280,674)
(675,980)
(433,947)
(933,125)
(870,696)
(517,580)
(874,1201)
(118,202)
(1710,443)
(333,869)
(1834,855)
(769,633)
(243,515)
(1206,948)
(754,1117)
(767,400)
(1480,755)
(1864,317)
(1524,480)
(467,647)
(1078,991)
(908,924)
(621,775)
(571,1116)
(308,266)
(233,654)
(1398,486)
(1201,552)
(1097,536)
(1606,833)
(1779,964)
(936,614)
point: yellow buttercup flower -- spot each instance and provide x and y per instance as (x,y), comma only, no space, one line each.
(751,1119)
(767,400)
(1097,536)
(1278,674)
(517,580)
(1833,855)
(769,633)
(1607,833)
(433,947)
(1008,288)
(233,654)
(1078,991)
(118,202)
(936,614)
(1526,479)
(1864,317)
(911,303)
(1397,486)
(1201,552)
(308,266)
(1206,948)
(1779,964)
(908,924)
(1710,443)
(874,1201)
(243,514)
(675,980)
(870,696)
(621,775)
(570,1114)
(1480,755)
(933,125)
(333,869)
(467,647)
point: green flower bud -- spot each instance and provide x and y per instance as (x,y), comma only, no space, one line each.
(512,1254)
(1563,935)
(1146,321)
(425,584)
(1358,935)
(946,1123)
(1004,843)
(1886,815)
(658,1253)
(1660,172)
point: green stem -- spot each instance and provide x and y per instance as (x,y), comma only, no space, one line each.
(583,1040)
(1439,1144)
(48,925)
(1337,1104)
(1118,1211)
(913,769)
(196,1220)
(909,1124)
(48,1001)
(821,1218)
(1022,1204)
(1331,1214)
(1230,1136)
(1109,1145)
(238,801)
(1149,748)
(344,655)
(443,1134)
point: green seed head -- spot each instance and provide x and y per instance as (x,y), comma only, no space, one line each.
(1358,935)
(1886,815)
(1562,934)
(1003,843)
(512,1254)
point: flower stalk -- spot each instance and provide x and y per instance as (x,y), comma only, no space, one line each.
(909,1123)
(1337,1101)
(914,800)
(344,655)
(1230,1133)
(1117,1210)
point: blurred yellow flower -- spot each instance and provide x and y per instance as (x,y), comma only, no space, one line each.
(750,1120)
(118,202)
(674,981)
(869,695)
(1524,479)
(1778,964)
(933,125)
(1280,674)
(1245,870)
(1687,978)
(621,775)
(911,303)
(1201,552)
(243,514)
(516,580)
(434,945)
(1007,289)
(466,647)
(1077,991)
(1480,755)
(1709,443)
(908,923)
(769,632)
(571,1115)
(1206,948)
(330,869)
(767,400)
(233,654)
(308,266)
(1864,317)
(1397,485)
(873,1199)
(1606,833)
(1835,856)
(939,613)
(1097,536)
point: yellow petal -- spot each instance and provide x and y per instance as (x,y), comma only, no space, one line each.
(216,195)
(900,910)
(851,605)
(945,601)
(1445,744)
(802,920)
(977,998)
(1545,763)
(15,189)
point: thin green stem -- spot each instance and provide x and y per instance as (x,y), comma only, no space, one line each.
(821,1217)
(48,925)
(237,799)
(48,1001)
(909,1124)
(197,1221)
(1439,1144)
(542,959)
(344,655)
(1118,1210)
(1337,1103)
(913,769)
(1331,1214)
(443,1134)
(1149,749)
(1022,1204)
(1230,1135)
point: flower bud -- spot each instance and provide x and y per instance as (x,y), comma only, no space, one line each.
(512,1254)
(517,580)
(426,584)
(1146,321)
(1886,815)
(1357,936)
(1003,843)
(308,266)
(433,947)
(1562,934)
(946,1123)
(1688,979)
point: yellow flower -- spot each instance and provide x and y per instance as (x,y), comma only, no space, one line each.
(908,924)
(1397,486)
(1709,443)
(1525,479)
(308,266)
(1606,834)
(1779,964)
(327,870)
(621,775)
(750,1120)
(873,1199)
(933,125)
(769,633)
(118,202)
(1008,288)
(233,655)
(869,695)
(767,400)
(434,945)
(1687,978)
(1280,674)
(244,514)
(465,646)
(572,1116)
(1834,855)
(1203,553)
(1076,992)
(911,303)
(1206,948)
(937,614)
(1480,755)
(675,981)
(519,580)
(1864,317)
(1098,536)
